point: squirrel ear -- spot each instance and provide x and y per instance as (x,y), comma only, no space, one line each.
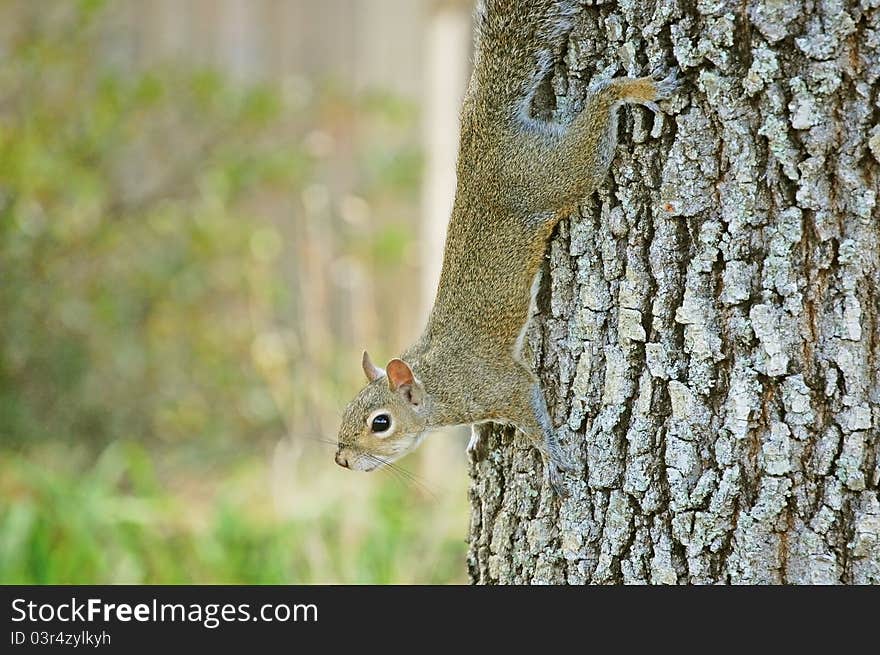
(372,371)
(399,374)
(401,380)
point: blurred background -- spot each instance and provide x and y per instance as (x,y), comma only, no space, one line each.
(208,208)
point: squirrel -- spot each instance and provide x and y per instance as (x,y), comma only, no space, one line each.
(517,177)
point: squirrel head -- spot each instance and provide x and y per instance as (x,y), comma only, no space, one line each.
(386,420)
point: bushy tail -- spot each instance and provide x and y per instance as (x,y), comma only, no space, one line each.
(517,42)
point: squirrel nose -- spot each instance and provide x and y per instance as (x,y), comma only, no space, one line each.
(342,461)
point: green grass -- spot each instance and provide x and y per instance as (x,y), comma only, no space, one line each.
(115,521)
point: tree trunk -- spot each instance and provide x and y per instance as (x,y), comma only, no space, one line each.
(708,335)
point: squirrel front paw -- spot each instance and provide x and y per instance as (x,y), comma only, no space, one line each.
(563,463)
(556,465)
(555,476)
(475,449)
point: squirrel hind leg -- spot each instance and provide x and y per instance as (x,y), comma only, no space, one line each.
(646,91)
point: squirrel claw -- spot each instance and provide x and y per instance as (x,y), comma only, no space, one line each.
(555,477)
(665,86)
(568,466)
(653,106)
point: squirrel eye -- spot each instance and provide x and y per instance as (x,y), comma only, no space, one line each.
(380,423)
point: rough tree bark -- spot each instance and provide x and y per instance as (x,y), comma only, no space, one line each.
(708,332)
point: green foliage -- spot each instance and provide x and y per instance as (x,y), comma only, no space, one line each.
(114,522)
(122,248)
(159,330)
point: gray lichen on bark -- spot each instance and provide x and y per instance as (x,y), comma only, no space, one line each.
(709,328)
